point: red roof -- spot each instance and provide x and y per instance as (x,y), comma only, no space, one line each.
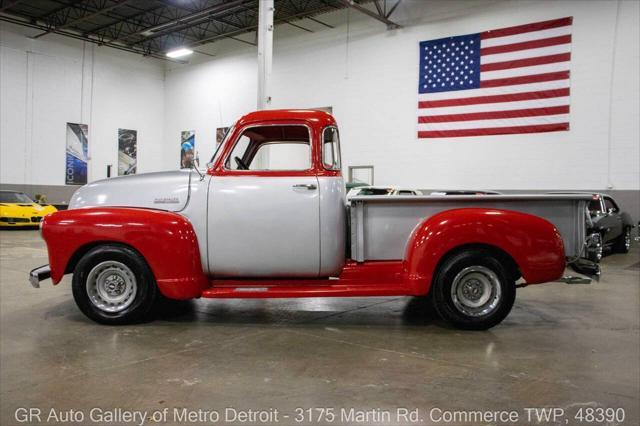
(320,117)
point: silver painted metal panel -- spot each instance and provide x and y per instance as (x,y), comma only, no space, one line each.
(333,225)
(161,190)
(196,212)
(381,225)
(263,226)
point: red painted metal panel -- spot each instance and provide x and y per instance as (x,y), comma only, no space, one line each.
(533,243)
(166,240)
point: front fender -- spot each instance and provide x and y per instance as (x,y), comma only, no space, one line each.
(626,220)
(166,240)
(532,242)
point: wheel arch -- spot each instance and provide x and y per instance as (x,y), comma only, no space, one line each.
(527,244)
(86,248)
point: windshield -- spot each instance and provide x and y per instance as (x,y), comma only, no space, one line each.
(15,197)
(224,141)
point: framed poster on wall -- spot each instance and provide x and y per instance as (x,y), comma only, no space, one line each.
(127,151)
(221,132)
(187,148)
(77,155)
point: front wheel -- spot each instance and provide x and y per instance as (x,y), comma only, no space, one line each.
(473,290)
(623,242)
(113,284)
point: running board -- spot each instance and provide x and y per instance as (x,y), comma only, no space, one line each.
(257,291)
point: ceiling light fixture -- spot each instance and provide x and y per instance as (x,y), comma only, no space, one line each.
(179,53)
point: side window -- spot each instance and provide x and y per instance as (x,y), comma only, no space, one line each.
(271,148)
(331,148)
(234,161)
(609,204)
(594,206)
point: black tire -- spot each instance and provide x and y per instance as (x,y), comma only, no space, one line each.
(622,244)
(138,307)
(471,267)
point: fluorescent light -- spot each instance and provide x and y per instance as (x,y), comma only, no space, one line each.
(179,53)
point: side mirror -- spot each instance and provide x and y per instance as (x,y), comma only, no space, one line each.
(194,163)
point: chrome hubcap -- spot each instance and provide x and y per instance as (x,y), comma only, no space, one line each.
(476,291)
(627,239)
(111,286)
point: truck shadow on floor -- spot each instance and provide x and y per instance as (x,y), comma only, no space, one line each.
(414,311)
(399,311)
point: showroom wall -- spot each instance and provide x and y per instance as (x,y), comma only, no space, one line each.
(50,81)
(369,76)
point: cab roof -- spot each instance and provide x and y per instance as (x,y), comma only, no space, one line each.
(318,117)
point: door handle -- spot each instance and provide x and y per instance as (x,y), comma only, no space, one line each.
(308,186)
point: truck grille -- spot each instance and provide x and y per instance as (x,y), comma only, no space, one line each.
(36,219)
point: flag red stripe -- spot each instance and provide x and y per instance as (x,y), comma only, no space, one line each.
(492,99)
(527,62)
(536,78)
(537,128)
(491,115)
(527,28)
(532,44)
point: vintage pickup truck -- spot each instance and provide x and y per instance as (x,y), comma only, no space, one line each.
(268,219)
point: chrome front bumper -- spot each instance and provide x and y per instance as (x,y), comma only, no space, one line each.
(39,274)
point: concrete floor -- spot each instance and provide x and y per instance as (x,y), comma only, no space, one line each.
(566,346)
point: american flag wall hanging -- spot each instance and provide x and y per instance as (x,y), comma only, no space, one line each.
(498,82)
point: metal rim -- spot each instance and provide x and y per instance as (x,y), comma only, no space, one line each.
(111,286)
(627,239)
(599,251)
(476,291)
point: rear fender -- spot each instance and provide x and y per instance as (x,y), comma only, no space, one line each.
(533,243)
(166,240)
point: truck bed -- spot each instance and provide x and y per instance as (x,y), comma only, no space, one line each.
(381,225)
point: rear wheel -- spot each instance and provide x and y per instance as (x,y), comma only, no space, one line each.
(623,242)
(113,284)
(473,290)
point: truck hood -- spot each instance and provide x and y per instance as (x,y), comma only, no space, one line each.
(159,190)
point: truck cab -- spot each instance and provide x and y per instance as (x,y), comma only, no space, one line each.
(276,198)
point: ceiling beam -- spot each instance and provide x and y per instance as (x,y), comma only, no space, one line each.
(9,4)
(311,18)
(83,18)
(165,24)
(380,17)
(187,20)
(297,26)
(141,14)
(27,23)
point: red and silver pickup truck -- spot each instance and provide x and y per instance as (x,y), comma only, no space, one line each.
(269,219)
